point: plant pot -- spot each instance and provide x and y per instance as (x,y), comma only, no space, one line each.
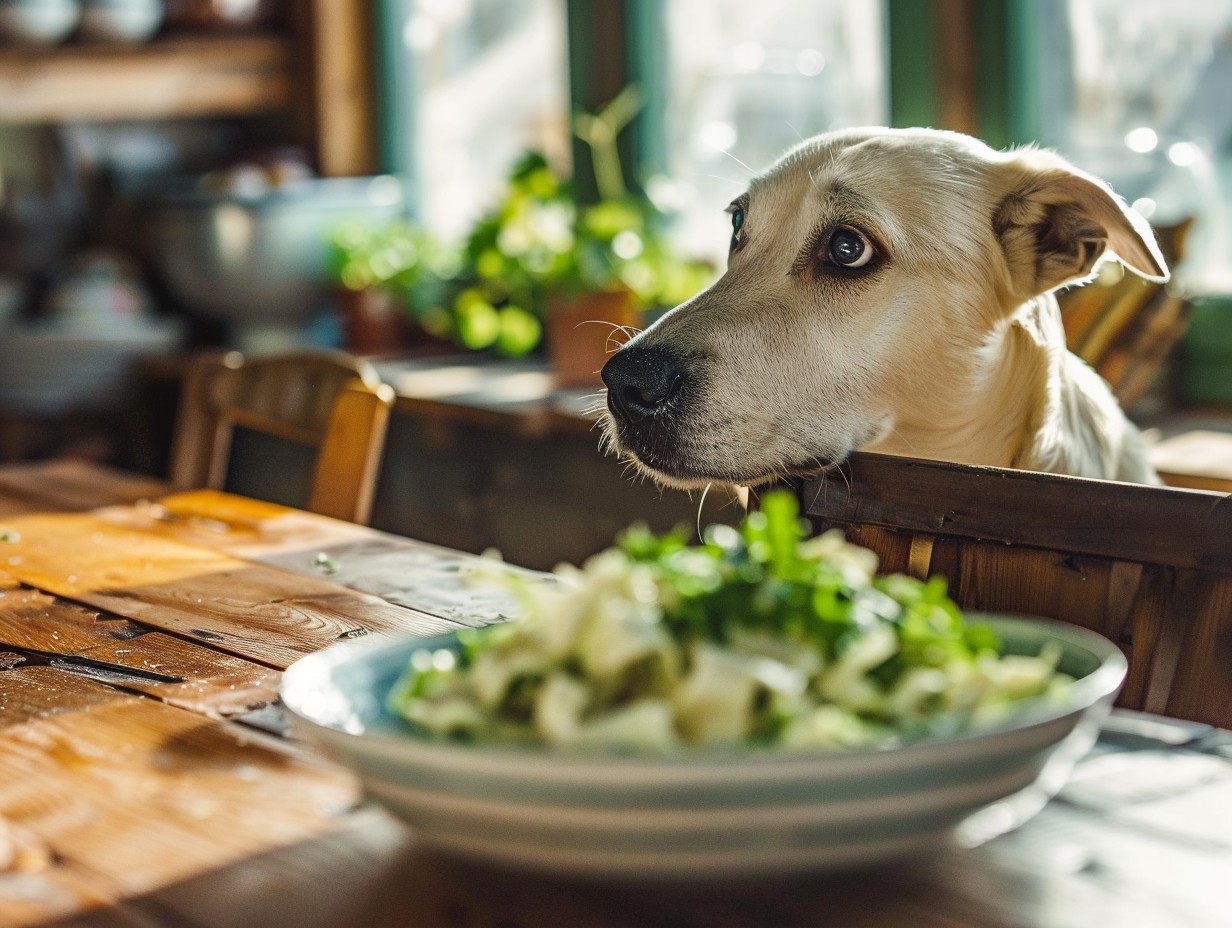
(373,321)
(584,329)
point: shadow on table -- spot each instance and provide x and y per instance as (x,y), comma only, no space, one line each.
(369,874)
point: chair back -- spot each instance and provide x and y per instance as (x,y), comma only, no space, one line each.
(1124,326)
(303,428)
(1148,567)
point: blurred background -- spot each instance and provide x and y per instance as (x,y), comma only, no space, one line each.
(179,174)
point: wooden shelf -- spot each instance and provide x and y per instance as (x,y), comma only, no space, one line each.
(214,76)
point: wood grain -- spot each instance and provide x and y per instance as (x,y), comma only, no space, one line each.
(1077,863)
(430,579)
(1151,608)
(1182,528)
(173,77)
(129,806)
(255,611)
(329,403)
(341,70)
(234,525)
(215,684)
(1148,567)
(140,795)
(344,481)
(40,692)
(1204,677)
(69,485)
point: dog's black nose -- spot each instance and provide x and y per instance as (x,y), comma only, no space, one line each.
(641,381)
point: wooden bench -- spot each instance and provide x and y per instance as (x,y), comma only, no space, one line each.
(1148,567)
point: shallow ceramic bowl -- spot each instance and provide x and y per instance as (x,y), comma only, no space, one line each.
(121,21)
(704,814)
(38,22)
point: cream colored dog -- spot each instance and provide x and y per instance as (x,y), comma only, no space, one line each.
(887,290)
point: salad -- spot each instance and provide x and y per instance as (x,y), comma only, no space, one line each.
(758,636)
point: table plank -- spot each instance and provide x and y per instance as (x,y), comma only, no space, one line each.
(65,485)
(215,684)
(235,525)
(34,692)
(1065,869)
(139,795)
(427,578)
(254,611)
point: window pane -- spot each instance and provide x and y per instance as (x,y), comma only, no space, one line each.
(1136,91)
(492,82)
(749,80)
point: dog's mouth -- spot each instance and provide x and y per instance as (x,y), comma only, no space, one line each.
(658,451)
(664,417)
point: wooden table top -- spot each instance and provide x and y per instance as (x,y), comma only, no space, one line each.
(165,796)
(517,395)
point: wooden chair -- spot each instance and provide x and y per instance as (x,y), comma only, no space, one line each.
(303,428)
(1148,567)
(1124,326)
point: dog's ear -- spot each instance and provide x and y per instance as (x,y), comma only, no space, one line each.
(1056,223)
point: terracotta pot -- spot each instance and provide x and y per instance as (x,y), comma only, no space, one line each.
(582,333)
(373,321)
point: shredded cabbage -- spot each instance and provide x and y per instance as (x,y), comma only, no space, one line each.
(758,635)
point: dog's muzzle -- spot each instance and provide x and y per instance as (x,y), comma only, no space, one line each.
(649,393)
(642,383)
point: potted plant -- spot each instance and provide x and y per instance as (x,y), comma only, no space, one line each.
(386,273)
(542,263)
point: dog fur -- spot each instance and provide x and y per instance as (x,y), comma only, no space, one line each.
(946,345)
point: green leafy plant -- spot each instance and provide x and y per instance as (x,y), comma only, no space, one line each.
(399,257)
(540,240)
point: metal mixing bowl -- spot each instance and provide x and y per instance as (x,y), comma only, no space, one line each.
(260,259)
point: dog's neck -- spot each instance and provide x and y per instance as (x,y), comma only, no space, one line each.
(991,410)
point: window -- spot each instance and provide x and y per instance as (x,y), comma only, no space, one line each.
(471,84)
(746,81)
(486,81)
(1136,92)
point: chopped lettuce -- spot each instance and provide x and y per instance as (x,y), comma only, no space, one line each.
(759,635)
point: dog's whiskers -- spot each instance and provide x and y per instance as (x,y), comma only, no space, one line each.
(904,439)
(701,504)
(846,478)
(732,181)
(750,172)
(629,332)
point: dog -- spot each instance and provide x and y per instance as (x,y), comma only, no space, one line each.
(887,290)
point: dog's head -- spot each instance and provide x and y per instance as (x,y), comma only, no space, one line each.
(867,268)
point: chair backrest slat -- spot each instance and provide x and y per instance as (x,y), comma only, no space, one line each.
(1183,528)
(1148,567)
(344,481)
(327,401)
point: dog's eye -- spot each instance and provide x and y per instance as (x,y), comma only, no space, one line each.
(737,214)
(849,249)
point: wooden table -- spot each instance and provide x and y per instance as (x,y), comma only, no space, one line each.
(164,795)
